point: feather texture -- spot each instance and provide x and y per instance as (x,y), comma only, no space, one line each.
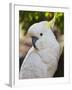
(42,61)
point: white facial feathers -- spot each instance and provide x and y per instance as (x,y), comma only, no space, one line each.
(44,34)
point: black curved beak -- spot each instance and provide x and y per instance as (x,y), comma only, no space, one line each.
(34,39)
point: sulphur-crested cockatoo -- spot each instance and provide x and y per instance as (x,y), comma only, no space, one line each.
(42,59)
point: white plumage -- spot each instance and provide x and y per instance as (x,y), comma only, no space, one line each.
(42,59)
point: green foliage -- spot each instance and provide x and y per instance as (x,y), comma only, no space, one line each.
(59,22)
(27,18)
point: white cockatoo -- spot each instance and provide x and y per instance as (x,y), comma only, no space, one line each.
(42,58)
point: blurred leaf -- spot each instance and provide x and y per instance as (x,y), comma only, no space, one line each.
(27,18)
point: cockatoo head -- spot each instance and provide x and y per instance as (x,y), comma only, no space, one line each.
(42,36)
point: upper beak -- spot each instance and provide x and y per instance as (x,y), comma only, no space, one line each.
(34,39)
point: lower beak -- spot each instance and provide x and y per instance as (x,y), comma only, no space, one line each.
(34,39)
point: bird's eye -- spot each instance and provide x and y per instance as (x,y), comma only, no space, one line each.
(41,34)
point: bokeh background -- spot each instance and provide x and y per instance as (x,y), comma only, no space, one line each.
(26,19)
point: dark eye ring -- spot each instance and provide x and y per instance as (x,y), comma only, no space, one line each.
(41,34)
